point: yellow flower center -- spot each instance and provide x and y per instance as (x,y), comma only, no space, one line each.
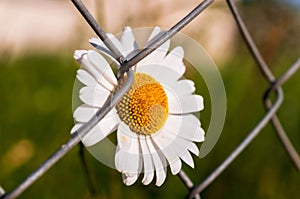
(144,109)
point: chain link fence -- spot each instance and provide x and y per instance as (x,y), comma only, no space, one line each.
(194,190)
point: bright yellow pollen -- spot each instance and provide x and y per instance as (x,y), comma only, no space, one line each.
(145,106)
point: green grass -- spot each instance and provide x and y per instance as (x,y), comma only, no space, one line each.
(36,116)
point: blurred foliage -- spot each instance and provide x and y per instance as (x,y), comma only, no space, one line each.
(36,117)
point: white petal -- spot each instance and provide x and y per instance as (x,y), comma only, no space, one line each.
(199,135)
(185,145)
(97,43)
(155,32)
(164,141)
(171,139)
(161,51)
(84,77)
(176,166)
(174,60)
(185,126)
(106,126)
(161,175)
(83,60)
(174,104)
(187,158)
(164,75)
(147,161)
(129,178)
(157,55)
(159,163)
(84,113)
(184,104)
(169,153)
(173,124)
(128,42)
(192,147)
(78,54)
(89,67)
(94,96)
(87,79)
(128,158)
(76,127)
(191,103)
(101,65)
(173,148)
(116,42)
(125,137)
(183,87)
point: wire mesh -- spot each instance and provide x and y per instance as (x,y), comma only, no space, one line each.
(275,86)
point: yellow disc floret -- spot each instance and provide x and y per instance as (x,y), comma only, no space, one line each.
(145,106)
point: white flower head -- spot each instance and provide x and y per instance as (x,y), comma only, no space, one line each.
(154,120)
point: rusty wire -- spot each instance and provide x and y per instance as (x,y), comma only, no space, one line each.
(125,65)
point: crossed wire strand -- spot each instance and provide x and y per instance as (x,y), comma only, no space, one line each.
(125,67)
(113,99)
(275,86)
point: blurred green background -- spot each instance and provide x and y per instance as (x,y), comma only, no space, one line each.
(36,117)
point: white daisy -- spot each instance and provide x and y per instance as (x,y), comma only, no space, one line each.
(154,121)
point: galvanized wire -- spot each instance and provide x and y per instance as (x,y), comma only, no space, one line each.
(125,65)
(288,146)
(82,131)
(98,30)
(113,98)
(263,122)
(274,84)
(188,183)
(162,38)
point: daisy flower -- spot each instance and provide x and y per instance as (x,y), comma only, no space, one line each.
(154,121)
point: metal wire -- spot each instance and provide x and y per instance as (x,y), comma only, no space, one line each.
(288,146)
(160,39)
(187,181)
(113,98)
(271,114)
(275,84)
(249,42)
(83,130)
(98,30)
(194,191)
(263,122)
